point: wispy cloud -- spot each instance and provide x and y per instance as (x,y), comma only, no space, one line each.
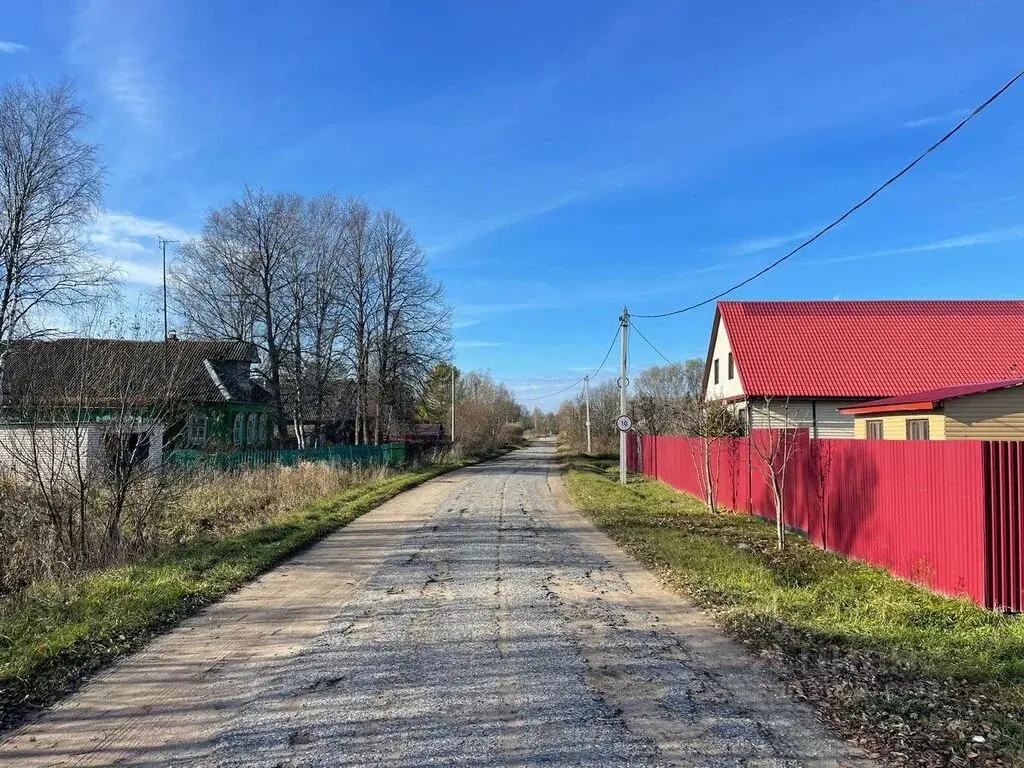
(990,237)
(759,244)
(465,324)
(946,117)
(8,47)
(129,243)
(461,344)
(591,186)
(109,42)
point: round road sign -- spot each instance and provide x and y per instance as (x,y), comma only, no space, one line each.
(624,423)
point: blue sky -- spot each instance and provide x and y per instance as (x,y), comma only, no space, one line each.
(558,160)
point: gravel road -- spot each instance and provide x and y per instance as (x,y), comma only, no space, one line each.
(501,629)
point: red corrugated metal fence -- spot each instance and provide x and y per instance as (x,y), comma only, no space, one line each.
(1004,494)
(946,515)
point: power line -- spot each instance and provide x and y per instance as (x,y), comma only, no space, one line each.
(552,394)
(878,190)
(600,368)
(618,330)
(539,379)
(650,344)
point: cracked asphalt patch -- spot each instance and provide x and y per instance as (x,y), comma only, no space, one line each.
(498,628)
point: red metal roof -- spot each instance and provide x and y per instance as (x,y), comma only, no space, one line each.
(930,398)
(871,349)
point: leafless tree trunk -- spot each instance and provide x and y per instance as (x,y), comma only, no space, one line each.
(326,232)
(359,308)
(709,421)
(775,447)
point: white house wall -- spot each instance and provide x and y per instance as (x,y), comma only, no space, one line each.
(726,387)
(52,452)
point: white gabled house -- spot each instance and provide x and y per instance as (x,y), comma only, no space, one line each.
(797,363)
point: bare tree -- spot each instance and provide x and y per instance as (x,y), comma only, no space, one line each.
(50,188)
(487,413)
(776,445)
(414,324)
(604,409)
(664,394)
(359,309)
(710,421)
(248,250)
(323,317)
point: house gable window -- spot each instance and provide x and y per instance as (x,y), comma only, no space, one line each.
(917,429)
(198,429)
(716,370)
(732,368)
(237,428)
(875,429)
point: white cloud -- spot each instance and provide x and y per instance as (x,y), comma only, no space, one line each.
(465,323)
(130,243)
(9,47)
(946,117)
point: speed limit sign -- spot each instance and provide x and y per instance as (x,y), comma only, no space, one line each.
(624,423)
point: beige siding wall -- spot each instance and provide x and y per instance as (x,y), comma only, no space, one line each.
(726,387)
(894,425)
(995,415)
(804,414)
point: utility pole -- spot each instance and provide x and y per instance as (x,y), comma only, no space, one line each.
(586,397)
(163,248)
(453,405)
(623,384)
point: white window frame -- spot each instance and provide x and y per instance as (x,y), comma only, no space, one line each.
(236,429)
(252,429)
(198,429)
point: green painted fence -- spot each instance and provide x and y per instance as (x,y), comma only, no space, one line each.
(389,453)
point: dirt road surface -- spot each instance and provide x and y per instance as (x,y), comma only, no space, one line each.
(476,620)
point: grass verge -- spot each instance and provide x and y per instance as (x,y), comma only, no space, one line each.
(55,634)
(915,678)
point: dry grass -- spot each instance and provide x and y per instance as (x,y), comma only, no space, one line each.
(217,503)
(162,513)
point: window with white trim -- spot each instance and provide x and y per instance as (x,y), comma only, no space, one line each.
(198,429)
(237,428)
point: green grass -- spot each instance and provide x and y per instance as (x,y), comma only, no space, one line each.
(911,654)
(56,633)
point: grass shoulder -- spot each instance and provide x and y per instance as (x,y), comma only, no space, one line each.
(56,633)
(916,677)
